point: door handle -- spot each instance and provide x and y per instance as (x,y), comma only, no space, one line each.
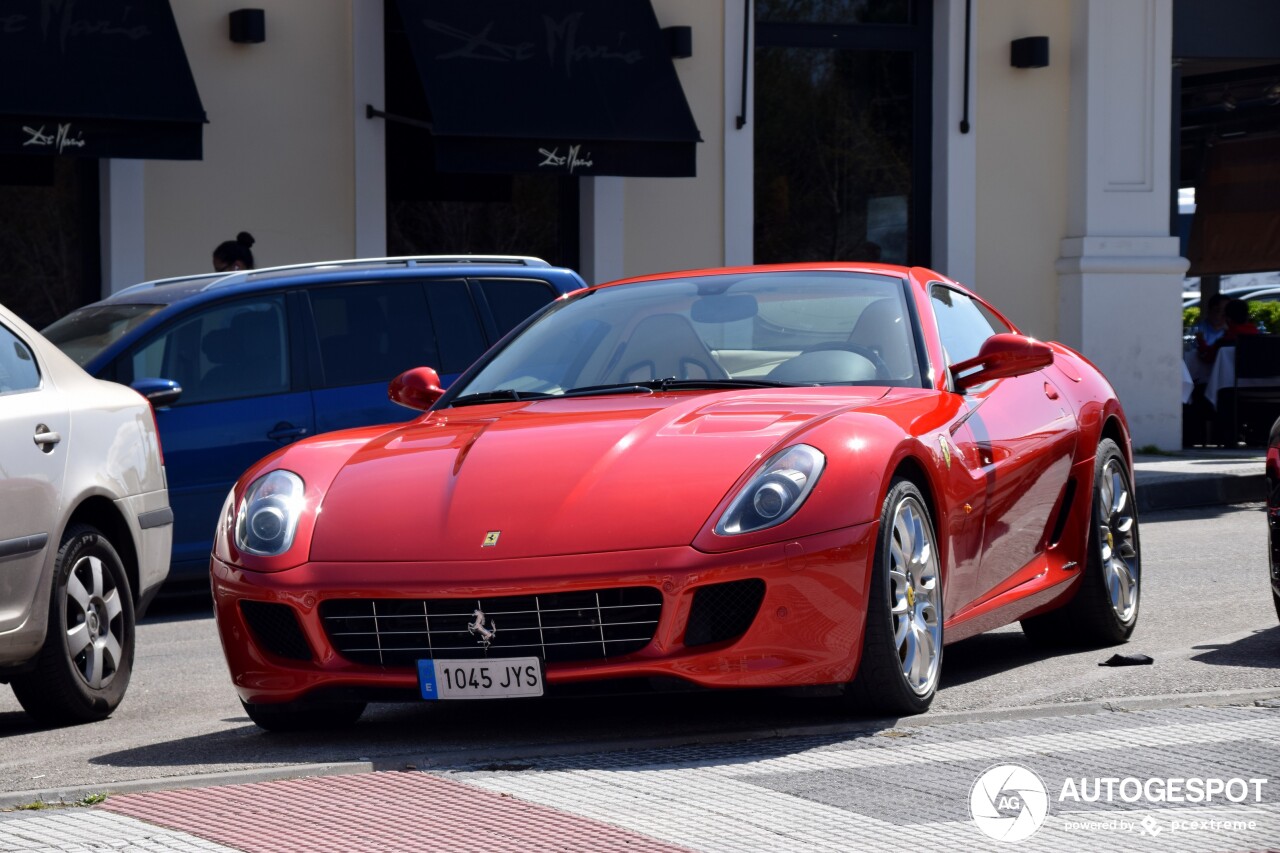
(46,438)
(1050,391)
(286,432)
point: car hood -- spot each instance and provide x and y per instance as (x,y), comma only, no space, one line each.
(556,477)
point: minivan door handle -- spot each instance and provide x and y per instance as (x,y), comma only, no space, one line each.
(285,431)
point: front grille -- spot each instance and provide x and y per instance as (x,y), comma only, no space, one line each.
(276,628)
(557,627)
(723,611)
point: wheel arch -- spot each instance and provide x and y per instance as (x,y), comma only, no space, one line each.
(914,469)
(101,513)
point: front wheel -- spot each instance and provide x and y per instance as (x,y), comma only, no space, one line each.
(303,715)
(902,644)
(1104,611)
(84,666)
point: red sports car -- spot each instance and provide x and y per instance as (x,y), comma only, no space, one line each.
(809,474)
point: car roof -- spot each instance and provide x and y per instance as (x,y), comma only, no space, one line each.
(168,291)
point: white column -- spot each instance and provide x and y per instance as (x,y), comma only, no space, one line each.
(954,153)
(122,223)
(602,228)
(1119,272)
(370,134)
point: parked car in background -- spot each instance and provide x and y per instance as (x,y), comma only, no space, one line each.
(240,364)
(811,474)
(85,528)
(1273,512)
(1256,293)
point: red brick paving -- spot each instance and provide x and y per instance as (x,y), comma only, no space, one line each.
(404,812)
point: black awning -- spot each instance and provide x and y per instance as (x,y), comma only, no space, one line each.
(107,78)
(569,87)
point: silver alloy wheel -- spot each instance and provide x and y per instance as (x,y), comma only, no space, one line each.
(94,625)
(914,592)
(1116,527)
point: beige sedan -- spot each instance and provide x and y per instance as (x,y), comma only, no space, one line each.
(85,528)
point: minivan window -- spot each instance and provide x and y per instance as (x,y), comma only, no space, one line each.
(18,371)
(87,331)
(456,325)
(512,300)
(371,332)
(232,350)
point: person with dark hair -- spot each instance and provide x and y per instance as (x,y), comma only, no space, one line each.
(232,255)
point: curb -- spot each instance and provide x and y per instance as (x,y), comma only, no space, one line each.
(1198,491)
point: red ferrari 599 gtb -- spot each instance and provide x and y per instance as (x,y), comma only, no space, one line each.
(809,474)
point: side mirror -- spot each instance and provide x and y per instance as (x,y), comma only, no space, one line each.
(161,392)
(417,388)
(1001,356)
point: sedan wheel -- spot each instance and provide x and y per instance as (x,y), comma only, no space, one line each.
(902,647)
(83,669)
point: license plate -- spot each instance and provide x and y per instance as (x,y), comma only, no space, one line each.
(494,678)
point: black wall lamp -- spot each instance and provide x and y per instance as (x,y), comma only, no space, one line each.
(248,26)
(679,41)
(1030,52)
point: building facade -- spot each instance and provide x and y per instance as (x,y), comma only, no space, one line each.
(1023,148)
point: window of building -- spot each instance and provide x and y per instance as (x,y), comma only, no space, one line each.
(842,138)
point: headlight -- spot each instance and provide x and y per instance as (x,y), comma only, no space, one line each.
(775,492)
(268,514)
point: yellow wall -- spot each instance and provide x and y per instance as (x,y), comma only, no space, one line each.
(678,223)
(278,149)
(1021,123)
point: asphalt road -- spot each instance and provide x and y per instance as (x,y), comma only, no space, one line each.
(1207,620)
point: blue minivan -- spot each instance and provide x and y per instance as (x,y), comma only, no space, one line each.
(239,364)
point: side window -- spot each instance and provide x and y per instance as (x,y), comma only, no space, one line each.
(512,300)
(372,332)
(963,324)
(457,327)
(18,370)
(226,352)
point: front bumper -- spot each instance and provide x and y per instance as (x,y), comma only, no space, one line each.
(807,629)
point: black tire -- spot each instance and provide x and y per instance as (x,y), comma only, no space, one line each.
(902,591)
(1275,599)
(83,668)
(303,716)
(1104,610)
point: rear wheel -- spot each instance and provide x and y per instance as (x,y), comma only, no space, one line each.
(902,646)
(1104,610)
(84,666)
(303,716)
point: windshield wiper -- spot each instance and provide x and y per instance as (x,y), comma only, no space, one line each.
(498,395)
(648,386)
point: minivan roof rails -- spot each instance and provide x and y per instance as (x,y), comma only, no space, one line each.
(222,279)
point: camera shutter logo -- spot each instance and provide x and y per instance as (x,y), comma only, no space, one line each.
(1008,803)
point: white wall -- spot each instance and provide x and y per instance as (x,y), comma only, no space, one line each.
(279,149)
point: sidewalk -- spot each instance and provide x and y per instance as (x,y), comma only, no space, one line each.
(908,786)
(1117,781)
(1200,477)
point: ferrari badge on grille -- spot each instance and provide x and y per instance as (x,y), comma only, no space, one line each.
(477,627)
(491,539)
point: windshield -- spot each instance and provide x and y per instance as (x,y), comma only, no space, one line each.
(87,331)
(744,330)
